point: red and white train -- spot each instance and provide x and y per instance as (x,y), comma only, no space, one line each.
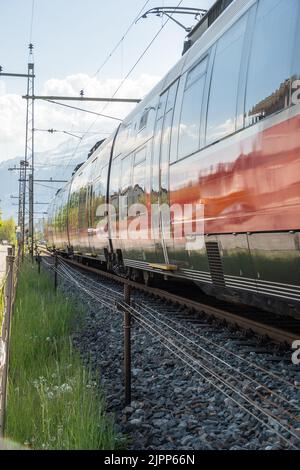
(221,129)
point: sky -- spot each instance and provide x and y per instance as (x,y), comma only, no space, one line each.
(72,39)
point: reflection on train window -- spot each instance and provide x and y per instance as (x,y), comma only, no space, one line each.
(126,173)
(114,184)
(140,156)
(171,96)
(165,152)
(268,86)
(126,189)
(138,183)
(98,195)
(155,161)
(143,120)
(123,139)
(161,106)
(189,128)
(221,117)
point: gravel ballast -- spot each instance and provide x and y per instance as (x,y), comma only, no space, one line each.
(173,407)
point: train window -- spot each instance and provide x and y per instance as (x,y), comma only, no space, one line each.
(98,195)
(155,160)
(196,73)
(221,117)
(123,139)
(114,183)
(165,151)
(171,96)
(138,183)
(140,156)
(189,127)
(161,106)
(143,120)
(269,74)
(126,173)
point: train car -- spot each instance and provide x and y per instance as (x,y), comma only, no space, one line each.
(220,131)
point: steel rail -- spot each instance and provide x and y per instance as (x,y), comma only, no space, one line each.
(273,333)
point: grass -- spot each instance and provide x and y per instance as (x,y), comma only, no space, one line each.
(2,303)
(53,400)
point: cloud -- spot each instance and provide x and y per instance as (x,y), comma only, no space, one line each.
(50,116)
(2,88)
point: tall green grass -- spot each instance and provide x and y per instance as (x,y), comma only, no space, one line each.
(53,401)
(2,304)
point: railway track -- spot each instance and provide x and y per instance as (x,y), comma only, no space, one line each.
(256,378)
(277,329)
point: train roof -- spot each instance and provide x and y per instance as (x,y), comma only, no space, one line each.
(227,12)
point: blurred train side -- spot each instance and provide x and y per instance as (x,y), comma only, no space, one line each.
(221,129)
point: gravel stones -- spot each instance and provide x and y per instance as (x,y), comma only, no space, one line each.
(173,407)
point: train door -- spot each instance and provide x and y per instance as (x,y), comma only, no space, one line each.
(160,173)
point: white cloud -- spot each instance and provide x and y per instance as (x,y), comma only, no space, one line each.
(47,116)
(2,88)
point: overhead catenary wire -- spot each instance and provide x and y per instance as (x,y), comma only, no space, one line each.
(115,48)
(31,21)
(131,69)
(85,111)
(46,186)
(138,61)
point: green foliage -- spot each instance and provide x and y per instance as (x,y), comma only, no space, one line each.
(8,230)
(53,401)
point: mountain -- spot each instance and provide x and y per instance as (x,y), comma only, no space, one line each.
(57,163)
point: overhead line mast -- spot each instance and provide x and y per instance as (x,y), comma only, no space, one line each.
(24,163)
(29,155)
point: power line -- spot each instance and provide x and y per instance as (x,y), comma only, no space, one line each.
(121,40)
(45,186)
(99,70)
(55,131)
(129,73)
(31,20)
(84,110)
(139,59)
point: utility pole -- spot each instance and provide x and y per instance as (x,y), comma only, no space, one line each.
(29,154)
(24,163)
(30,225)
(29,150)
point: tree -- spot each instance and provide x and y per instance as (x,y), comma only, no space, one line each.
(8,230)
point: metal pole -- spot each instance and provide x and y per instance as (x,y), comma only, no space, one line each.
(29,145)
(6,335)
(55,271)
(31,213)
(83,98)
(25,168)
(39,262)
(32,161)
(127,345)
(20,200)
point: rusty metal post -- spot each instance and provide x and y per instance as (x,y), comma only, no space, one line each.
(127,345)
(38,258)
(6,334)
(55,270)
